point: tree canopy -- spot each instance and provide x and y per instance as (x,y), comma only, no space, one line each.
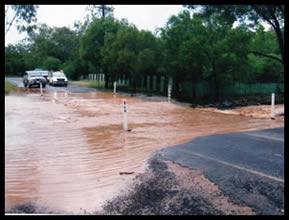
(191,47)
(251,15)
(22,14)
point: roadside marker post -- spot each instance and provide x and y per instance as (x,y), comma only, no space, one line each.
(169,92)
(114,87)
(272,106)
(124,110)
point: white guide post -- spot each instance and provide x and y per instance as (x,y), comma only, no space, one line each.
(169,92)
(272,105)
(114,87)
(124,110)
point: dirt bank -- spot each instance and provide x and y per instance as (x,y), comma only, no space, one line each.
(255,111)
(166,188)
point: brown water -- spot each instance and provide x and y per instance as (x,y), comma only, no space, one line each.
(66,150)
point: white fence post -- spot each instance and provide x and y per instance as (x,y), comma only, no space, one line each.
(272,105)
(114,87)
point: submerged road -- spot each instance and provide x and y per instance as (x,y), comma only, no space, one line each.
(246,167)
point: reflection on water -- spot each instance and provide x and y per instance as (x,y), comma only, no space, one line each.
(66,150)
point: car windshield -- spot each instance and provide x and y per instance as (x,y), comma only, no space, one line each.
(58,74)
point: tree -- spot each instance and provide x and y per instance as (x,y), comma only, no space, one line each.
(58,42)
(92,41)
(75,68)
(100,11)
(271,14)
(264,69)
(22,14)
(184,56)
(205,48)
(52,63)
(130,52)
(14,62)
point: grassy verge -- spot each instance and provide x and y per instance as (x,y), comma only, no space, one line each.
(9,88)
(119,88)
(96,85)
(89,84)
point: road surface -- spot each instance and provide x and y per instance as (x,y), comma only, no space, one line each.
(70,88)
(224,174)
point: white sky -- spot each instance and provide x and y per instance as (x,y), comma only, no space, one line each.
(147,17)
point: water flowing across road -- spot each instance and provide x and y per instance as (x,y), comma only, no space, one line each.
(67,150)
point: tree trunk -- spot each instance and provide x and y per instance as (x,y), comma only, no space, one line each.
(280,41)
(216,82)
(105,81)
(193,92)
(273,21)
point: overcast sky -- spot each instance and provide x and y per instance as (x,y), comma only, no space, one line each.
(147,17)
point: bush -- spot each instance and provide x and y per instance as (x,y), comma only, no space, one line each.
(52,63)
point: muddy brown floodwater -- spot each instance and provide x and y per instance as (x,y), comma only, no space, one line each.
(67,150)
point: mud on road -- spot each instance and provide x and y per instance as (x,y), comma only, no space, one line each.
(167,188)
(66,150)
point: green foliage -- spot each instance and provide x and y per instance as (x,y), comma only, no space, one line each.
(14,61)
(205,46)
(249,16)
(52,63)
(22,14)
(92,41)
(130,52)
(74,69)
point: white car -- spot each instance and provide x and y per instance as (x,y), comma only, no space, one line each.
(57,78)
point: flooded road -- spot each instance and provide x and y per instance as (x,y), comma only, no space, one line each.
(67,150)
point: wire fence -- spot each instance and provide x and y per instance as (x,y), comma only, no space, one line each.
(189,90)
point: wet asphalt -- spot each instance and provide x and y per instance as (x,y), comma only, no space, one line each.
(70,88)
(247,166)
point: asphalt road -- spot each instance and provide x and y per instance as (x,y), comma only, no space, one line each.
(248,167)
(70,88)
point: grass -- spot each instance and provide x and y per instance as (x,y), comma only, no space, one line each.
(96,85)
(9,88)
(88,83)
